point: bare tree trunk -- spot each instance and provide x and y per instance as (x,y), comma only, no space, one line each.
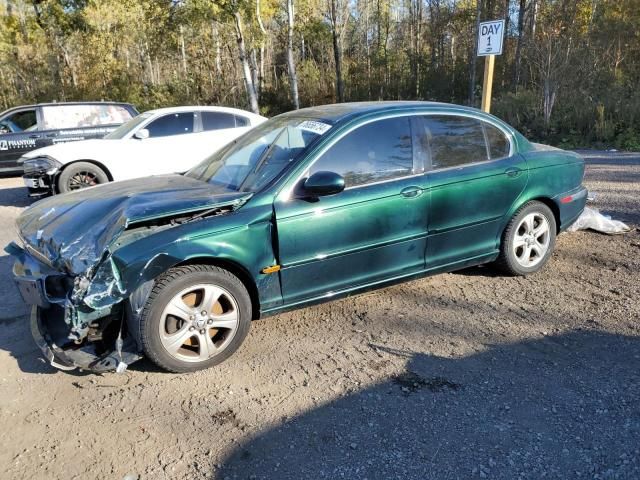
(472,70)
(453,65)
(183,51)
(292,66)
(517,60)
(550,91)
(337,51)
(534,17)
(262,43)
(253,57)
(246,70)
(216,38)
(149,64)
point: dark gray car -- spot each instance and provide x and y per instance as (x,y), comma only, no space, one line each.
(28,127)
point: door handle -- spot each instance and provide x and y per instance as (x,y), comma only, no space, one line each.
(512,171)
(34,135)
(411,192)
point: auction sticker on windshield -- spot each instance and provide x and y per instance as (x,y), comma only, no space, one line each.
(315,127)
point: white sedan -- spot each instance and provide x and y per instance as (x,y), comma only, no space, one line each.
(160,141)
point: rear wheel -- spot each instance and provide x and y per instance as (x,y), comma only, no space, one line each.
(80,175)
(528,240)
(196,317)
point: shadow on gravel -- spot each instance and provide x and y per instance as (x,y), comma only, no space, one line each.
(558,407)
(486,271)
(14,197)
(15,339)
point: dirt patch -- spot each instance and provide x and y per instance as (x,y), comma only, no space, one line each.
(463,375)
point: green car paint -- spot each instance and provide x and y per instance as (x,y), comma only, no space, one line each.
(382,232)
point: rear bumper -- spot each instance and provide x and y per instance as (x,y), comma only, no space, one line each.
(570,205)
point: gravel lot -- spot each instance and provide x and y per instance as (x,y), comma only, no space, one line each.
(464,375)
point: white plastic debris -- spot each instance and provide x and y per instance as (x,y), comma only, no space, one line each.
(592,219)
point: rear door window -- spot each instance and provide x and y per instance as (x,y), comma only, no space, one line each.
(82,116)
(499,145)
(454,140)
(217,121)
(172,124)
(381,150)
(241,121)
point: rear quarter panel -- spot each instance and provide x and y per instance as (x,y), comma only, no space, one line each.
(554,174)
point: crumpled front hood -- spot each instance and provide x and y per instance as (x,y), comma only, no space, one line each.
(73,231)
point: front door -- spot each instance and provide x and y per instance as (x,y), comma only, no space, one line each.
(167,148)
(18,134)
(475,179)
(374,230)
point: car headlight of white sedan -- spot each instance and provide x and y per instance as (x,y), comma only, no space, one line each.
(41,165)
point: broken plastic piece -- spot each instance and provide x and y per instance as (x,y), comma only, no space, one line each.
(122,367)
(592,219)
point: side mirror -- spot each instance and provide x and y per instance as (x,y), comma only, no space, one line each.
(324,183)
(141,134)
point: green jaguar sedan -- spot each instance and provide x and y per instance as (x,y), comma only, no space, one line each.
(310,206)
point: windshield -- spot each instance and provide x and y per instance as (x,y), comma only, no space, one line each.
(124,129)
(262,154)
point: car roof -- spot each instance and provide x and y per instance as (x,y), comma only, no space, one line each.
(202,108)
(339,112)
(49,104)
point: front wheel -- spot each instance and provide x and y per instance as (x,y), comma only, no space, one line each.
(195,317)
(80,175)
(529,239)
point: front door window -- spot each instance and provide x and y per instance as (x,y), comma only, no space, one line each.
(22,121)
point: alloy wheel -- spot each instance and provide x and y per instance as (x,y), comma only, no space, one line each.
(531,240)
(199,323)
(83,179)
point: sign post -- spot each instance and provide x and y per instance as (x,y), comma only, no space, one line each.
(490,38)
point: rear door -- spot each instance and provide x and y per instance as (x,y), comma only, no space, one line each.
(218,129)
(73,122)
(374,230)
(18,134)
(475,177)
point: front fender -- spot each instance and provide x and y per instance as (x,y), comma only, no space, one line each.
(247,245)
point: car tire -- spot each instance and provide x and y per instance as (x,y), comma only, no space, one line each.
(80,175)
(177,338)
(528,240)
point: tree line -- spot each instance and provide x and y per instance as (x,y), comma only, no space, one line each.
(568,74)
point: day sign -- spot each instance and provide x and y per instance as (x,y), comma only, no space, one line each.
(490,38)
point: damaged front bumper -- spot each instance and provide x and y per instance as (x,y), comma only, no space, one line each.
(39,175)
(50,333)
(39,184)
(105,343)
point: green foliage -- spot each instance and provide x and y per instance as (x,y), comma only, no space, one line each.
(168,52)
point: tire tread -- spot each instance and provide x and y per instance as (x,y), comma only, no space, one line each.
(160,285)
(504,261)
